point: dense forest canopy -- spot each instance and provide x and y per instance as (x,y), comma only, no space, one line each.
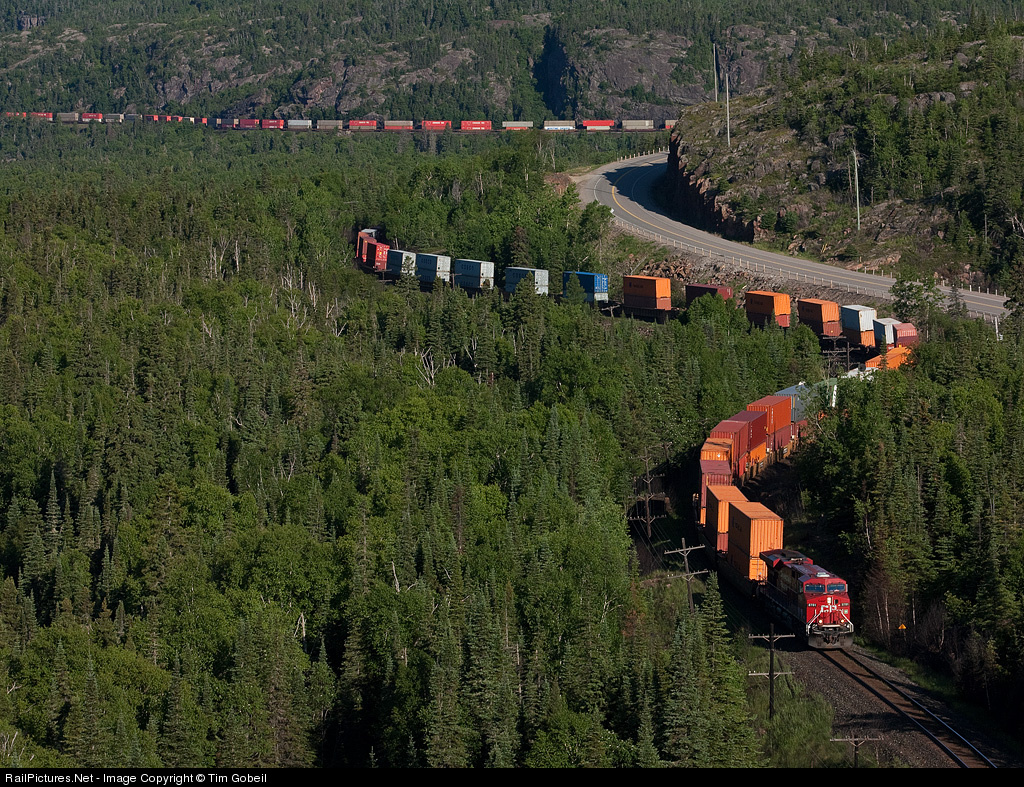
(258,509)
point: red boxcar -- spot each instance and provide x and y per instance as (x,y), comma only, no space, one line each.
(435,125)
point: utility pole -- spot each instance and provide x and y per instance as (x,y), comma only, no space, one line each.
(687,574)
(728,121)
(714,67)
(771,674)
(856,186)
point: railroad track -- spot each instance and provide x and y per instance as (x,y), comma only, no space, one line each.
(956,746)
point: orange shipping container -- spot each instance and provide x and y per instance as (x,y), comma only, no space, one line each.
(717,514)
(752,568)
(758,453)
(817,311)
(753,529)
(764,302)
(647,286)
(779,409)
(717,449)
(865,338)
(894,359)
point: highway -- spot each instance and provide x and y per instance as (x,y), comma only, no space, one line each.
(625,187)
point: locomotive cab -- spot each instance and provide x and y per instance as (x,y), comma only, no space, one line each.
(815,602)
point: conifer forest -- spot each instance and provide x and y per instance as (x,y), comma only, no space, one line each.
(259,509)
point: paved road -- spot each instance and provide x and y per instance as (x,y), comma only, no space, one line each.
(625,187)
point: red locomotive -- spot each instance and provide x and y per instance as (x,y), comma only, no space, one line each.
(371,254)
(813,601)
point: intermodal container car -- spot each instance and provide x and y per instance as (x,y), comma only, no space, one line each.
(765,307)
(517,125)
(858,318)
(398,125)
(884,331)
(515,275)
(475,125)
(334,125)
(362,125)
(300,125)
(247,123)
(400,263)
(87,117)
(817,311)
(559,125)
(474,274)
(905,335)
(435,125)
(716,517)
(597,125)
(695,291)
(753,529)
(595,285)
(270,123)
(713,474)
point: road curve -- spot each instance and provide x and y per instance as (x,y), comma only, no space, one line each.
(625,187)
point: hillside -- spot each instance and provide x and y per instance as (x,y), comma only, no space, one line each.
(934,121)
(413,59)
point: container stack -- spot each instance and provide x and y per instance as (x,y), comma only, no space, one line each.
(737,433)
(337,125)
(753,529)
(858,324)
(713,474)
(716,515)
(433,267)
(598,125)
(647,292)
(358,125)
(559,125)
(764,308)
(400,263)
(301,125)
(757,435)
(638,125)
(475,125)
(695,291)
(820,316)
(905,334)
(885,332)
(517,125)
(515,275)
(398,125)
(474,274)
(435,125)
(595,285)
(779,410)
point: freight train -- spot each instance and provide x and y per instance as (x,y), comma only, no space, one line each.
(355,125)
(746,538)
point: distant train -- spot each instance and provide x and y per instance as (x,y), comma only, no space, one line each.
(355,125)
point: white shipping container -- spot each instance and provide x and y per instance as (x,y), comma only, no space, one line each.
(884,333)
(300,124)
(858,318)
(401,263)
(515,275)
